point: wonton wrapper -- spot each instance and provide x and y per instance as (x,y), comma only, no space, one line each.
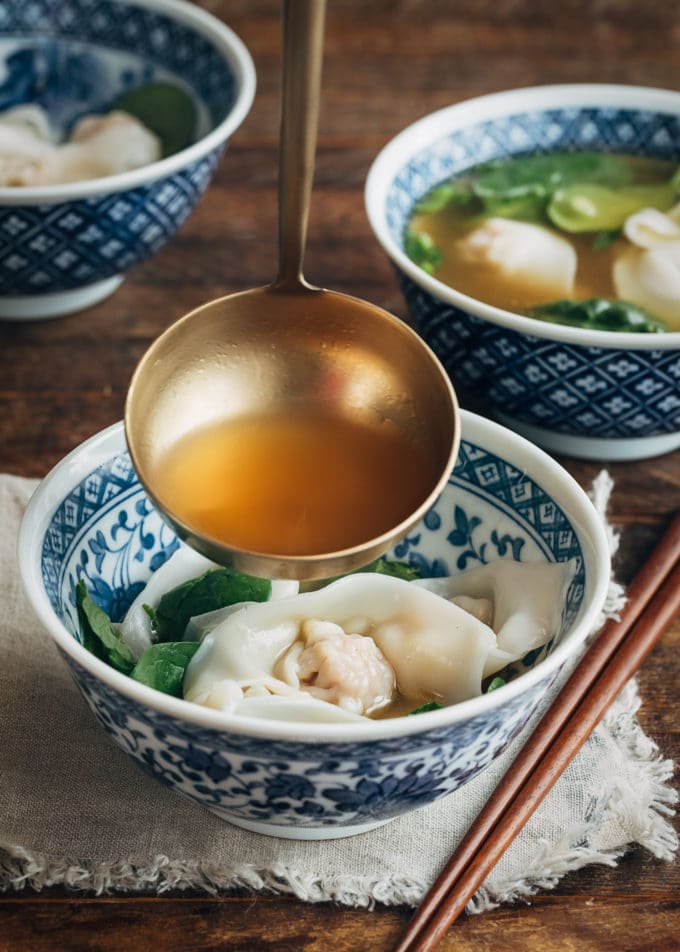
(525,254)
(650,278)
(526,601)
(183,565)
(99,146)
(435,647)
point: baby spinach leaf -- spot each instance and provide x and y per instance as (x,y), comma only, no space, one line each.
(604,239)
(429,706)
(380,566)
(215,589)
(599,314)
(453,192)
(393,567)
(98,634)
(494,684)
(166,109)
(421,249)
(162,666)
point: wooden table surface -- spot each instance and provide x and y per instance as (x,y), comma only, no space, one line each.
(386,64)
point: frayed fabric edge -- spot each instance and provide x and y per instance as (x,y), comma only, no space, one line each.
(20,868)
(651,822)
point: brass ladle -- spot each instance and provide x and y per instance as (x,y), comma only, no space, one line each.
(275,349)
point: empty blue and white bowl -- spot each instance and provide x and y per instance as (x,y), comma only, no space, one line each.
(593,394)
(90,519)
(66,247)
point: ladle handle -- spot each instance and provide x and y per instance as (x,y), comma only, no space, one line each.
(303,26)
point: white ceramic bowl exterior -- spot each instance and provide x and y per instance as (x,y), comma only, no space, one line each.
(596,394)
(90,519)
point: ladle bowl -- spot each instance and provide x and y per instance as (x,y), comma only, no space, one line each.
(265,352)
(290,350)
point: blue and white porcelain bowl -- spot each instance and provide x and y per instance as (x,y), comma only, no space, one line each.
(66,247)
(594,394)
(91,519)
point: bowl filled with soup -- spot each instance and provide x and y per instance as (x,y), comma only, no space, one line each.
(113,118)
(536,237)
(322,709)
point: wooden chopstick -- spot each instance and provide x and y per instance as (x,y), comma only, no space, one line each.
(618,651)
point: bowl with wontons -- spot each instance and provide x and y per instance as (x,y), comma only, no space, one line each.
(113,118)
(536,237)
(320,710)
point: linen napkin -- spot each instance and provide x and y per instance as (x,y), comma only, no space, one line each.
(75,811)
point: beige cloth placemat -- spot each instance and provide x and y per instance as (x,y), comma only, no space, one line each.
(75,810)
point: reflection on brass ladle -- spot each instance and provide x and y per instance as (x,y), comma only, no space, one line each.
(290,349)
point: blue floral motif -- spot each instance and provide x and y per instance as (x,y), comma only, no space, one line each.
(462,536)
(213,765)
(126,540)
(507,542)
(432,520)
(289,787)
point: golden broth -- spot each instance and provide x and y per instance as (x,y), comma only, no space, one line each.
(293,485)
(481,280)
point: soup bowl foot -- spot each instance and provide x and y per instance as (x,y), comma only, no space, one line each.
(302,832)
(38,307)
(588,447)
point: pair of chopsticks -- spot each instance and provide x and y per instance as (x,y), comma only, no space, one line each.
(612,659)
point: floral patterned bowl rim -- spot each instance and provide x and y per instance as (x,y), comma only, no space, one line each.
(556,482)
(236,55)
(421,135)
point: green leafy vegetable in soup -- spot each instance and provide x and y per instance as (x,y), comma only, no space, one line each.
(420,248)
(213,590)
(495,684)
(163,666)
(166,109)
(98,634)
(600,315)
(429,706)
(580,208)
(530,232)
(521,188)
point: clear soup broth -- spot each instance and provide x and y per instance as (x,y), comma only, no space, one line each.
(294,485)
(530,231)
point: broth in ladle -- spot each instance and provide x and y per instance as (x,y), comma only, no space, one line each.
(294,485)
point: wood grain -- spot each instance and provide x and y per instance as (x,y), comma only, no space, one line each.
(386,64)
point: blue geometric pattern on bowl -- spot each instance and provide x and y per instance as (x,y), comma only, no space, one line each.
(47,248)
(564,387)
(106,532)
(50,248)
(572,389)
